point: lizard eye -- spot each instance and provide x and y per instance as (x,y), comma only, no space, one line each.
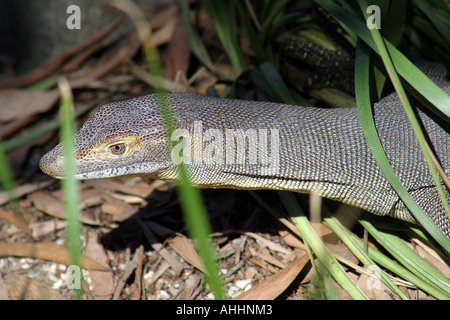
(117,149)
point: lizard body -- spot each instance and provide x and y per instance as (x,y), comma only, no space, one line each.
(272,146)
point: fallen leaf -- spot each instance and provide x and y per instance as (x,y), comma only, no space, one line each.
(291,240)
(431,257)
(190,287)
(274,285)
(178,51)
(129,199)
(22,287)
(23,190)
(133,264)
(114,186)
(49,68)
(183,246)
(164,34)
(52,204)
(172,259)
(13,127)
(42,228)
(162,268)
(23,103)
(321,229)
(102,281)
(259,262)
(48,204)
(4,292)
(117,208)
(15,219)
(266,256)
(161,18)
(142,189)
(270,244)
(226,251)
(341,250)
(373,287)
(118,55)
(47,251)
(90,198)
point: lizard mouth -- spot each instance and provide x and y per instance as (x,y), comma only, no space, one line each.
(151,168)
(52,164)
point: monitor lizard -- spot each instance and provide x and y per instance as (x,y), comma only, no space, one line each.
(294,148)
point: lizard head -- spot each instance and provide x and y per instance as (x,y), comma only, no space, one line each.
(120,138)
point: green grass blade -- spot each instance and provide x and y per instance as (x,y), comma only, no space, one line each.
(334,224)
(392,19)
(252,34)
(438,17)
(433,281)
(419,81)
(394,267)
(394,25)
(6,177)
(192,205)
(194,210)
(416,78)
(49,126)
(362,86)
(278,85)
(70,185)
(272,10)
(365,112)
(45,84)
(196,44)
(316,244)
(410,112)
(222,16)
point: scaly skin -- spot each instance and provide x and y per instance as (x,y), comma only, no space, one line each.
(308,149)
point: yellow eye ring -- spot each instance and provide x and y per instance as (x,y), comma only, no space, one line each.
(118,149)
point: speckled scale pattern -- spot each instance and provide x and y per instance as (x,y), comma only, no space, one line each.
(319,149)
